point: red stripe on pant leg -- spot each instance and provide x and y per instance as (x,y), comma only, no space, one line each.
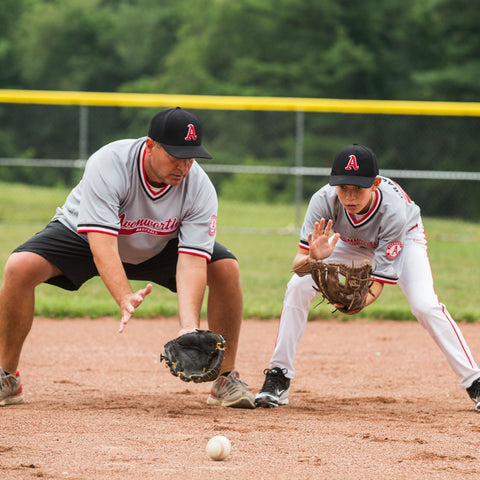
(455,330)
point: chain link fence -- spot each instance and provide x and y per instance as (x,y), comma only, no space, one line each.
(263,155)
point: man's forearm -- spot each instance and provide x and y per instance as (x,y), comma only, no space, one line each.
(109,265)
(191,285)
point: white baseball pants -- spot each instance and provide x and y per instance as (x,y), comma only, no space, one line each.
(417,284)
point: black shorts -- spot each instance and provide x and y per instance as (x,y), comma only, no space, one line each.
(72,255)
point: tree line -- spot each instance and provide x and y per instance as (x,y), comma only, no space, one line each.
(391,50)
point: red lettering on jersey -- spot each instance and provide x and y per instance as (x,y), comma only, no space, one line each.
(393,249)
(352,163)
(213,226)
(146,225)
(191,134)
(358,241)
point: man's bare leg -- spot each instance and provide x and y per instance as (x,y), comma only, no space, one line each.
(23,272)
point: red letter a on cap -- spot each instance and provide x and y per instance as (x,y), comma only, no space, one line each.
(191,135)
(352,163)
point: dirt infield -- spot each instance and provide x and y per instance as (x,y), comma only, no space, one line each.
(371,400)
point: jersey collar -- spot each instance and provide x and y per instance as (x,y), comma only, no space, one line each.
(357,221)
(152,192)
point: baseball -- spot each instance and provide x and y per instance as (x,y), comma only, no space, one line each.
(218,448)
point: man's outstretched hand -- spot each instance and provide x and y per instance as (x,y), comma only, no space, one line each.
(130,303)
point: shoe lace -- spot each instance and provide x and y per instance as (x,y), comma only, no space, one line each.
(3,379)
(274,379)
(276,371)
(233,383)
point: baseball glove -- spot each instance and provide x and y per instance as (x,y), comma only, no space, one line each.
(196,356)
(341,284)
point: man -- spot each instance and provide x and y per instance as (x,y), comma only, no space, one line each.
(373,220)
(144,210)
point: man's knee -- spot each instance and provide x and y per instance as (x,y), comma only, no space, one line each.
(28,269)
(223,272)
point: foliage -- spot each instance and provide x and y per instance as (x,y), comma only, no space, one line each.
(394,49)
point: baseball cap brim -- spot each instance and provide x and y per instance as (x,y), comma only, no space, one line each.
(364,182)
(181,151)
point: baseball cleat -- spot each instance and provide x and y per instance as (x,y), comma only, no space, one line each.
(230,391)
(474,392)
(275,389)
(10,389)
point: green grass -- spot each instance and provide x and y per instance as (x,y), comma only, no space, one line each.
(265,241)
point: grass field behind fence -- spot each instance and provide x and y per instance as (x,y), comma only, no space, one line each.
(264,239)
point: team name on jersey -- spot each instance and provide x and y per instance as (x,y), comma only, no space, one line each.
(147,225)
(359,242)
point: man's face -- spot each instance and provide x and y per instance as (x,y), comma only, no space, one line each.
(162,168)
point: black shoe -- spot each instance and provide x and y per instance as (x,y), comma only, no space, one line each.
(275,389)
(474,392)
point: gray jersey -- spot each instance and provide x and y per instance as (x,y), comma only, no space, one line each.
(380,232)
(115,198)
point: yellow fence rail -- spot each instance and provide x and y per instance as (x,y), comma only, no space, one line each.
(300,106)
(215,102)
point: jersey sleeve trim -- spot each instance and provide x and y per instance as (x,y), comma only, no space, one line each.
(304,245)
(97,228)
(195,251)
(389,281)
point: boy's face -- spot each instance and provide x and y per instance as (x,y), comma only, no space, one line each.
(356,200)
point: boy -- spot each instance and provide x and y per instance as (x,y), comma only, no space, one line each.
(374,220)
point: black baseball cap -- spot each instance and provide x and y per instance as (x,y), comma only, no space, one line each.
(179,132)
(354,165)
